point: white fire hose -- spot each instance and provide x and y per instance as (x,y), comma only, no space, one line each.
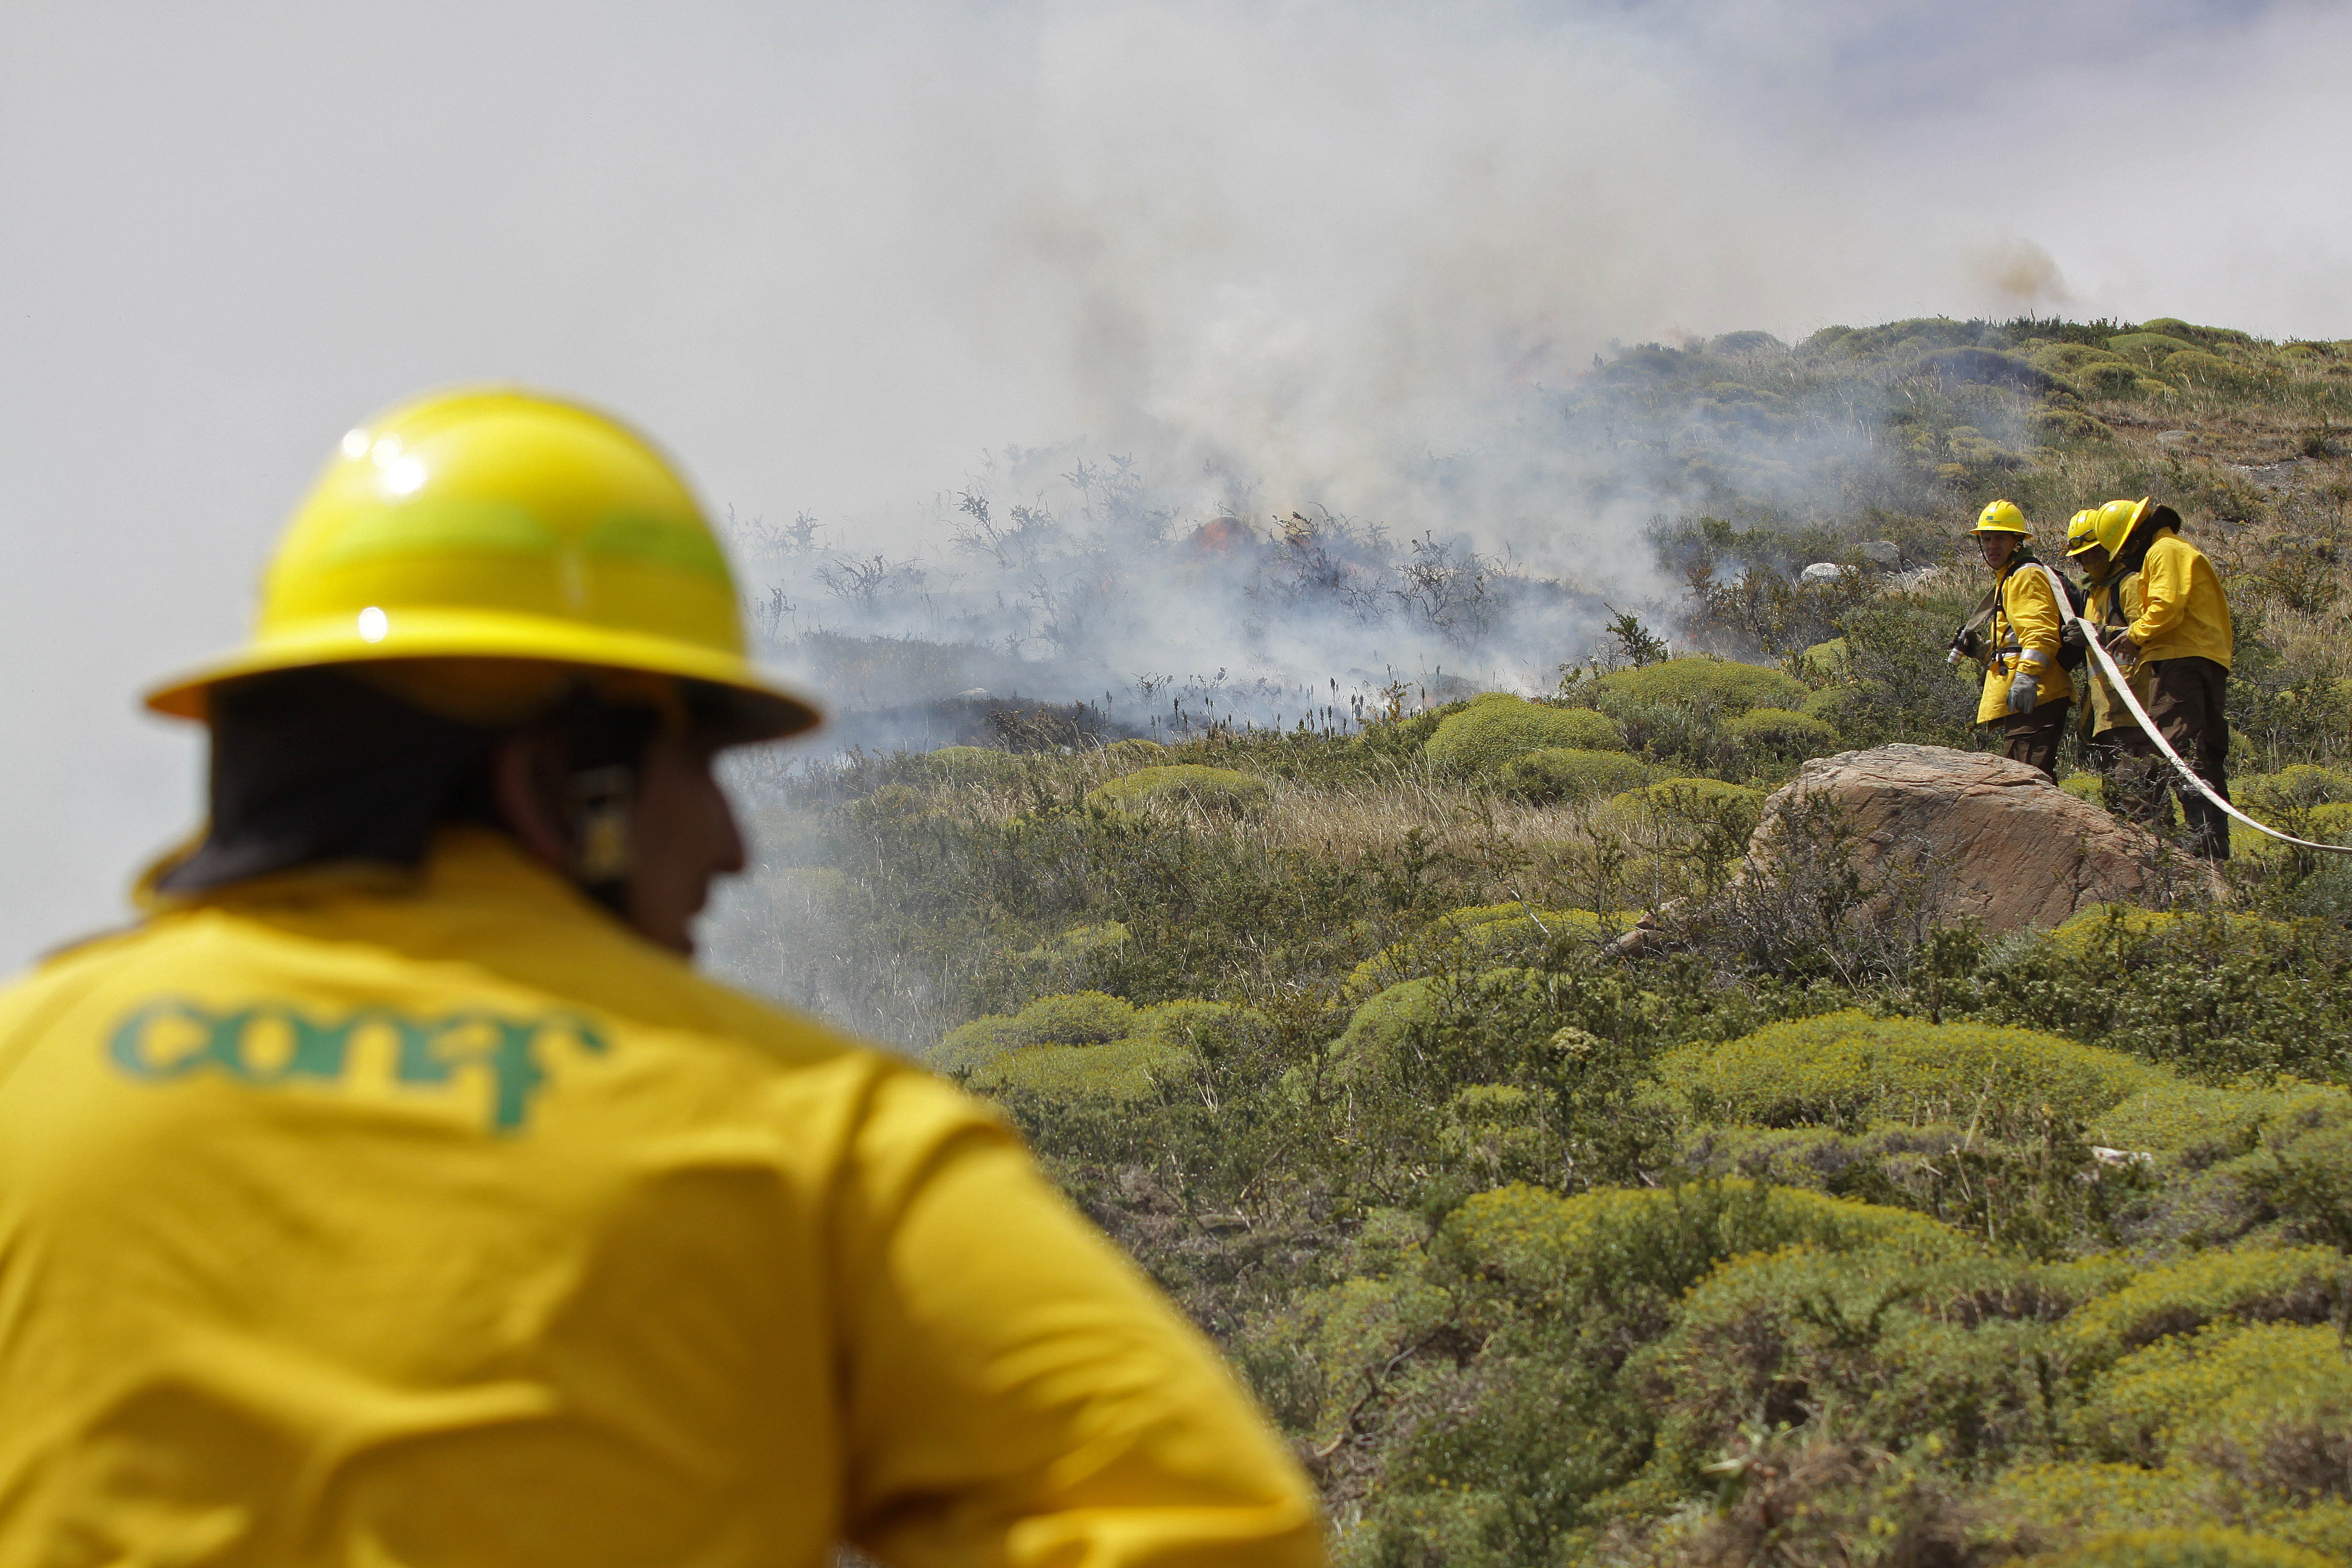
(2122,689)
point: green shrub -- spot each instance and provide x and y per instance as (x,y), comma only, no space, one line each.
(2221,1386)
(1849,1071)
(2174,1116)
(1078,943)
(969,765)
(1825,660)
(2298,1285)
(1482,937)
(1899,1348)
(2210,1547)
(1134,752)
(2199,368)
(1700,681)
(1082,1019)
(1183,783)
(1782,733)
(2109,378)
(2302,785)
(1113,1070)
(2210,930)
(2146,347)
(1671,801)
(1498,727)
(2088,787)
(1568,774)
(1831,703)
(1379,1024)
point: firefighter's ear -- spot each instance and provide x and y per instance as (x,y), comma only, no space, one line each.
(527,785)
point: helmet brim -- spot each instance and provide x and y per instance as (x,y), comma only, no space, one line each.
(761,707)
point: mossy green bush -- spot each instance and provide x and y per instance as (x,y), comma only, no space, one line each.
(1088,1046)
(967,765)
(1498,727)
(2173,1115)
(1778,732)
(1831,704)
(2197,368)
(1570,774)
(2292,1284)
(1226,790)
(1112,1070)
(1689,801)
(1850,1070)
(1825,660)
(1700,681)
(1903,1348)
(2088,787)
(1135,753)
(1081,1018)
(1485,936)
(2210,1547)
(2147,347)
(2302,785)
(2222,1387)
(2109,378)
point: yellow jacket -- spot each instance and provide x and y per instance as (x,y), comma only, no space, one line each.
(2026,618)
(2106,713)
(454,1224)
(2186,614)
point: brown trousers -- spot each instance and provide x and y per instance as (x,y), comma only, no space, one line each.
(2187,705)
(2032,737)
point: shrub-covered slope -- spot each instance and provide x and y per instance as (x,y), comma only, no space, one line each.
(1799,1238)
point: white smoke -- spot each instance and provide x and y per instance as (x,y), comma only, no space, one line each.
(1287,254)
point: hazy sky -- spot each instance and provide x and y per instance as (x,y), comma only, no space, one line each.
(830,253)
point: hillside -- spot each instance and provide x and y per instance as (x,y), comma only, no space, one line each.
(1806,1237)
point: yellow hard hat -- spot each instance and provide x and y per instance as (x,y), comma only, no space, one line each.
(492,530)
(2081,530)
(2114,522)
(2002,516)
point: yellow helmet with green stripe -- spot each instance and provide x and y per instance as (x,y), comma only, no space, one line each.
(502,525)
(2002,516)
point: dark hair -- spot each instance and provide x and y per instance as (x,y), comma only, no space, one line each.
(315,766)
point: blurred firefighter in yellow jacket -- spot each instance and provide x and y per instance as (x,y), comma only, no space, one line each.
(2167,625)
(397,1194)
(2015,637)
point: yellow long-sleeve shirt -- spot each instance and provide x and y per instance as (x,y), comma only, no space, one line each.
(2106,711)
(452,1225)
(2185,612)
(2028,617)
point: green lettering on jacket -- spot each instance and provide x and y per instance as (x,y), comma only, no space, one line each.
(171,1037)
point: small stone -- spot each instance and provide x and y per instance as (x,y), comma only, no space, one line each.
(1822,571)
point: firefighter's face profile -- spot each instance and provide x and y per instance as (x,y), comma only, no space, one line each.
(683,837)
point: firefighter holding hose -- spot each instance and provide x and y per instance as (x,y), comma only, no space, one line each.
(396,1193)
(2167,621)
(2015,636)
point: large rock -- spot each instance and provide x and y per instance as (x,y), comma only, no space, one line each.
(1967,835)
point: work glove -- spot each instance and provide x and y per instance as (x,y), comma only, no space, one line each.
(2072,642)
(2022,689)
(1966,644)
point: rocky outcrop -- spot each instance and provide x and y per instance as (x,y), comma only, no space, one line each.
(1967,835)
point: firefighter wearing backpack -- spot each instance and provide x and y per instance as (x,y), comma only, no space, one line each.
(2174,641)
(396,1192)
(2026,690)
